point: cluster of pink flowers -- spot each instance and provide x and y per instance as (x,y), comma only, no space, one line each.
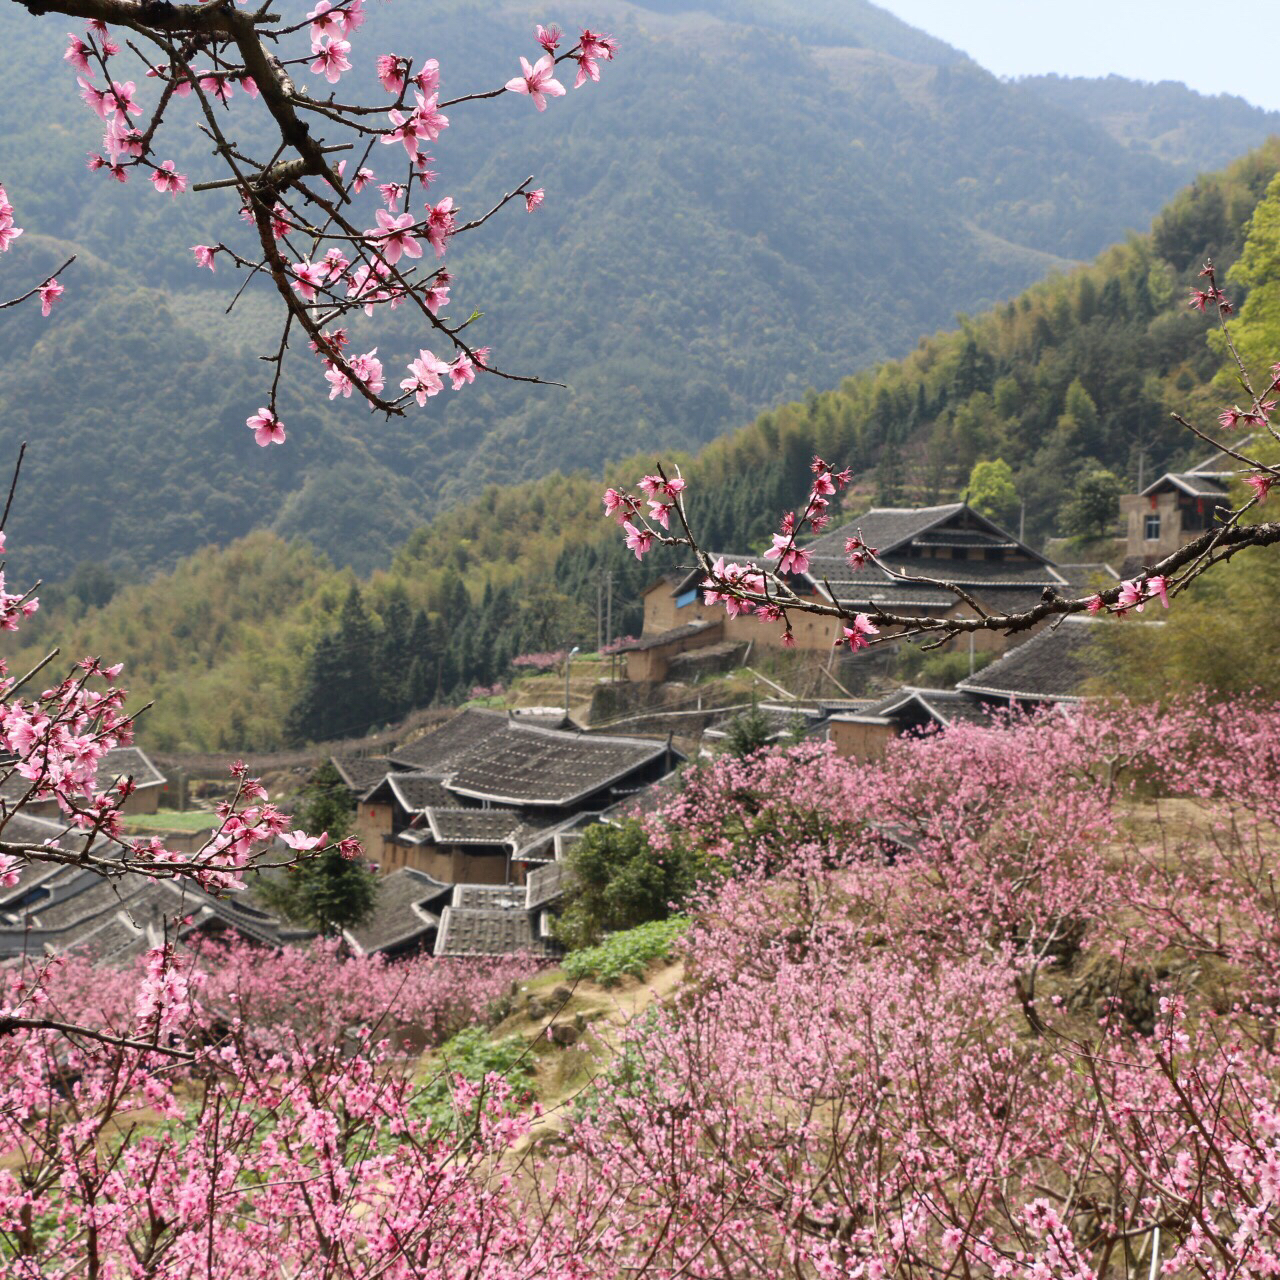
(8,232)
(1133,594)
(919,1032)
(538,82)
(540,661)
(375,266)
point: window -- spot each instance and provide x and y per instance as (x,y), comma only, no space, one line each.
(1151,528)
(687,597)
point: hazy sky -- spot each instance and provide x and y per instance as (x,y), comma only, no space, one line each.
(1185,40)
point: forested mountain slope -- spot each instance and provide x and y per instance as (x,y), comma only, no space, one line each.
(1184,128)
(1078,370)
(763,197)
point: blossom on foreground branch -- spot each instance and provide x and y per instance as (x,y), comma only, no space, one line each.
(770,593)
(136,62)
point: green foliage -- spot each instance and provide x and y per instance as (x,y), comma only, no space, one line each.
(628,954)
(473,1054)
(618,881)
(939,668)
(325,892)
(992,492)
(1095,498)
(1167,120)
(963,189)
(1257,329)
(748,732)
(1079,373)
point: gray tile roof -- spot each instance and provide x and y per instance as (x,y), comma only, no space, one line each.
(487,897)
(550,767)
(885,528)
(130,762)
(484,933)
(417,792)
(361,772)
(438,751)
(1052,666)
(1196,485)
(942,705)
(472,826)
(403,916)
(546,885)
(75,909)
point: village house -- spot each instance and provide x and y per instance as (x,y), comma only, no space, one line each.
(120,762)
(1177,506)
(951,543)
(483,798)
(1054,667)
(56,909)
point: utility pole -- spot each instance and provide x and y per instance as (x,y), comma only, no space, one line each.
(1022,527)
(599,614)
(568,662)
(608,616)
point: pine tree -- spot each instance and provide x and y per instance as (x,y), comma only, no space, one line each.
(395,655)
(325,892)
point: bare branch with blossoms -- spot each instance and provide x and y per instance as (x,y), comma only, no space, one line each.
(300,205)
(774,592)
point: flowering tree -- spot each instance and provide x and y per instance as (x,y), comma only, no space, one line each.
(858,1078)
(300,164)
(773,594)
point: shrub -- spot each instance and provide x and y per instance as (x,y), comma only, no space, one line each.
(629,953)
(619,880)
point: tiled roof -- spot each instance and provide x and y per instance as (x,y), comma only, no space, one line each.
(417,792)
(1197,485)
(402,916)
(485,933)
(885,527)
(130,762)
(1052,666)
(472,826)
(361,772)
(76,909)
(528,766)
(661,638)
(545,885)
(943,705)
(438,751)
(487,897)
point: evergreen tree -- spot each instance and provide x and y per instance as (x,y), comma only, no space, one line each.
(619,881)
(338,695)
(325,892)
(748,732)
(395,654)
